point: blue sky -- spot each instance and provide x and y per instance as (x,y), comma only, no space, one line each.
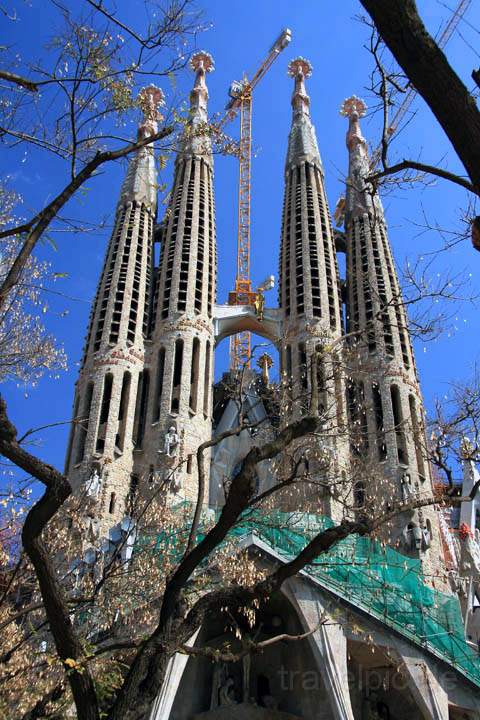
(241,32)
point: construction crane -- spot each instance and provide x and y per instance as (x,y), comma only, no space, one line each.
(240,93)
(411,93)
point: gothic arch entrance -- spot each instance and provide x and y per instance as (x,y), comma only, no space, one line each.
(281,682)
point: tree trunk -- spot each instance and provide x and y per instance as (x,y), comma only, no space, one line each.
(430,73)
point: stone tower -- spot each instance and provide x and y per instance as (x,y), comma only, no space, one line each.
(385,405)
(101,440)
(178,376)
(309,286)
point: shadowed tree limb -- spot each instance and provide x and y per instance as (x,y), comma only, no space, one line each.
(57,491)
(430,73)
(18,80)
(430,169)
(37,226)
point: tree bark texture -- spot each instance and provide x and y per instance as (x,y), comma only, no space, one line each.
(430,73)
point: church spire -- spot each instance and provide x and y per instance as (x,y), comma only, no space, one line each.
(201,63)
(140,184)
(359,199)
(302,141)
(181,355)
(101,446)
(300,69)
(385,405)
(309,287)
(195,140)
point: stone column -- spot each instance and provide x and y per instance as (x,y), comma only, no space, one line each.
(328,643)
(163,704)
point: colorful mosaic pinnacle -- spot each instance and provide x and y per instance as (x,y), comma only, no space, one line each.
(150,98)
(300,65)
(353,107)
(202,60)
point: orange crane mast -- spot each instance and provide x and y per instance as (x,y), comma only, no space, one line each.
(241,100)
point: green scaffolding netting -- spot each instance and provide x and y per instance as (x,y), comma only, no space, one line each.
(377,579)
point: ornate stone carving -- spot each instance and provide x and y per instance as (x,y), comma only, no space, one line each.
(226,694)
(94,484)
(172,441)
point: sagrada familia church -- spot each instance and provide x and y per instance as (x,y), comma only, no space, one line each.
(402,631)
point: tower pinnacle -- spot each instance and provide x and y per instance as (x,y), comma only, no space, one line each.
(354,108)
(358,198)
(149,100)
(299,68)
(196,140)
(201,63)
(302,142)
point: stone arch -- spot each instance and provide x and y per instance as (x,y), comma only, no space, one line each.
(285,674)
(231,320)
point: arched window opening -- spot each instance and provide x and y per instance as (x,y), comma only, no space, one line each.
(359,495)
(123,411)
(132,493)
(159,386)
(104,412)
(417,438)
(206,392)
(177,376)
(288,362)
(72,433)
(303,377)
(398,422)
(320,381)
(358,417)
(380,427)
(141,408)
(194,375)
(84,423)
(339,404)
(302,361)
(189,464)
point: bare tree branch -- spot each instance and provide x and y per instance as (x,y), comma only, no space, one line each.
(430,169)
(18,80)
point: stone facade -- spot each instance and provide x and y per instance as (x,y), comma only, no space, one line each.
(309,291)
(102,438)
(180,356)
(143,401)
(385,404)
(348,666)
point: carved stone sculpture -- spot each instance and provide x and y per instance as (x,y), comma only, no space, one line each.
(406,486)
(171,442)
(226,695)
(94,484)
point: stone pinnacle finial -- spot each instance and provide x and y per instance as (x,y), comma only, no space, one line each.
(201,63)
(202,60)
(298,65)
(354,108)
(299,68)
(149,99)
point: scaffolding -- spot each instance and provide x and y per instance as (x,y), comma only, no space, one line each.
(361,572)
